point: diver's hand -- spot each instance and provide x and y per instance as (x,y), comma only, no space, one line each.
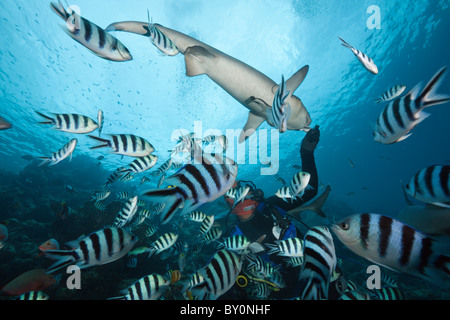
(311,139)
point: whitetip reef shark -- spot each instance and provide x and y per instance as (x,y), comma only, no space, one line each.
(248,86)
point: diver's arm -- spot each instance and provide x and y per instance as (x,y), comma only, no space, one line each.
(307,148)
(309,165)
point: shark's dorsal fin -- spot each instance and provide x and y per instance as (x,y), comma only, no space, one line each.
(295,81)
(253,122)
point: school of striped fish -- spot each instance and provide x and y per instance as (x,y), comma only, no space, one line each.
(183,188)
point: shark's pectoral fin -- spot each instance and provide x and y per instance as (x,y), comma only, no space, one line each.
(253,122)
(195,58)
(295,81)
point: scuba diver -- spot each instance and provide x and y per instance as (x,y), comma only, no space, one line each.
(264,220)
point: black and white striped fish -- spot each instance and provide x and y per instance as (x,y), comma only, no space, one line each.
(212,235)
(115,176)
(260,290)
(240,195)
(151,231)
(389,293)
(259,267)
(237,243)
(291,247)
(102,195)
(127,177)
(126,214)
(206,224)
(278,115)
(295,262)
(284,193)
(158,208)
(319,263)
(123,195)
(219,275)
(91,36)
(354,295)
(160,40)
(366,61)
(150,287)
(394,245)
(100,205)
(240,244)
(221,139)
(163,168)
(33,295)
(70,122)
(101,120)
(126,144)
(388,281)
(298,184)
(161,181)
(139,165)
(196,216)
(98,248)
(231,193)
(392,93)
(195,184)
(61,154)
(164,242)
(431,185)
(400,116)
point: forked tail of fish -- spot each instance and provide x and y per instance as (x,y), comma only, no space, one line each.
(63,258)
(428,96)
(59,10)
(48,119)
(105,142)
(44,160)
(345,44)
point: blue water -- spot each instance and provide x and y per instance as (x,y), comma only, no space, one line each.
(42,69)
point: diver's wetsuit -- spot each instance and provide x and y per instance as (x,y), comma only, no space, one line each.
(259,224)
(262,223)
